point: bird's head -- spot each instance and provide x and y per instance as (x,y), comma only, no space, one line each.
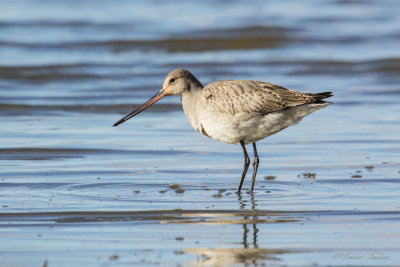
(180,81)
(177,82)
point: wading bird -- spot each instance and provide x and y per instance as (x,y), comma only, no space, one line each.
(236,111)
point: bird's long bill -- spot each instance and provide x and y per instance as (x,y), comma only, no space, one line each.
(150,102)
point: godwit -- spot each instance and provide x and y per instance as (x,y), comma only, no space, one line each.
(236,111)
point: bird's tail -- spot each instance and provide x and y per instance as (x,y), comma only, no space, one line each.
(319,96)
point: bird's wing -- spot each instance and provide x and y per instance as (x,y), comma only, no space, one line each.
(246,96)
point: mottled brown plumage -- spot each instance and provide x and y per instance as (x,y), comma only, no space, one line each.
(235,96)
(236,111)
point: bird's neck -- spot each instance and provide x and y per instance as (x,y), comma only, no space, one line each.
(189,101)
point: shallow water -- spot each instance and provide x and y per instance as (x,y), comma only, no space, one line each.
(77,191)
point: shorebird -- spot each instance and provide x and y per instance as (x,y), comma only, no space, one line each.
(236,111)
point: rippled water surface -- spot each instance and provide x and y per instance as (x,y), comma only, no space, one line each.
(75,191)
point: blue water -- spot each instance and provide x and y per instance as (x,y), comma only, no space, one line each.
(77,191)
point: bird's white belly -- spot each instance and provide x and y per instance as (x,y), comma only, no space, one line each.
(233,129)
(249,127)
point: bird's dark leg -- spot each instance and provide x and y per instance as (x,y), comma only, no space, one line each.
(245,167)
(255,166)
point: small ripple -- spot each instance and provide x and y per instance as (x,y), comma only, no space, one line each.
(188,216)
(221,39)
(24,109)
(57,153)
(33,185)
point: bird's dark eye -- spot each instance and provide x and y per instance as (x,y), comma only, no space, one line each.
(171,80)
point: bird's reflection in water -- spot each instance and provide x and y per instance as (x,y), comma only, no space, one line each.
(243,205)
(250,254)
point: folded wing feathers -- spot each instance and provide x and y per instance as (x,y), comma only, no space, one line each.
(253,97)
